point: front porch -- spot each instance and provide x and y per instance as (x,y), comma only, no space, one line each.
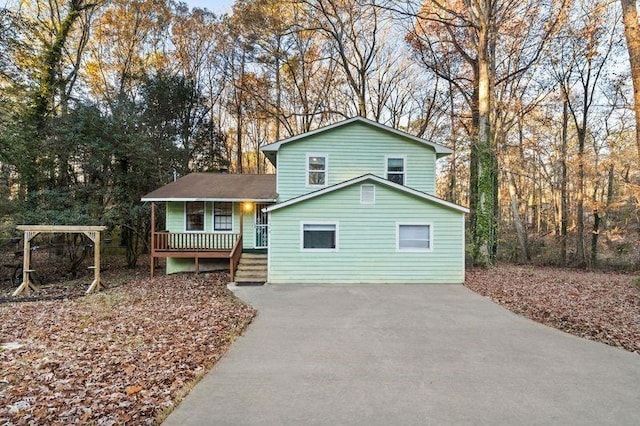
(196,246)
(178,246)
(210,216)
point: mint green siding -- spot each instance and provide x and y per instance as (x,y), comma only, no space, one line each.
(367,251)
(175,222)
(353,151)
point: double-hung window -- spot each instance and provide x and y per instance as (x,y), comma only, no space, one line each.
(396,169)
(319,236)
(414,237)
(317,169)
(222,216)
(194,215)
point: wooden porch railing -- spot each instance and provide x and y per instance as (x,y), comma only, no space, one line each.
(234,258)
(196,246)
(196,242)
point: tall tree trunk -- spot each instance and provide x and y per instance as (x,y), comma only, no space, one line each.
(452,169)
(632,35)
(278,91)
(580,255)
(523,253)
(239,139)
(564,208)
(239,92)
(485,226)
(595,233)
(609,192)
(52,59)
(473,177)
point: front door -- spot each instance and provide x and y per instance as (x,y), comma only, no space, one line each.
(262,226)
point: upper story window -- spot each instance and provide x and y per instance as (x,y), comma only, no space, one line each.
(222,216)
(194,214)
(317,169)
(396,168)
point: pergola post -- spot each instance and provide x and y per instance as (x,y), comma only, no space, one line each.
(31,231)
(96,284)
(26,286)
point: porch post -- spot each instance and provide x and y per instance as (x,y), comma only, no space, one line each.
(241,208)
(153,232)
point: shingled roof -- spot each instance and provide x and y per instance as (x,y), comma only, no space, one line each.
(218,187)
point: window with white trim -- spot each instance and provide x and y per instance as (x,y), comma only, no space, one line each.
(367,194)
(222,216)
(396,169)
(194,215)
(316,170)
(319,236)
(414,237)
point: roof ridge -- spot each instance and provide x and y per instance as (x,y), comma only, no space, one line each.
(439,148)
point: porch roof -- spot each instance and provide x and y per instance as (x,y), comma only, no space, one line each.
(217,187)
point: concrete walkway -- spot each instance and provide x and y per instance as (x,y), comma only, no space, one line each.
(408,355)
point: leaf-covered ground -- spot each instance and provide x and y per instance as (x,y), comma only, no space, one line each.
(125,355)
(599,306)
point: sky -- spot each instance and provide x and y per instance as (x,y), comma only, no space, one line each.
(216,6)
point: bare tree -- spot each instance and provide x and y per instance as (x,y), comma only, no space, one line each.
(353,30)
(473,41)
(632,35)
(584,48)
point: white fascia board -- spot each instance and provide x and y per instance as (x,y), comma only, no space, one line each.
(257,200)
(440,149)
(357,180)
(276,145)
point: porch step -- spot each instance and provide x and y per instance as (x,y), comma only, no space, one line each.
(252,269)
(254,255)
(253,258)
(256,262)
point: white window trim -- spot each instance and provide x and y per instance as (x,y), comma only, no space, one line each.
(204,220)
(326,169)
(213,217)
(362,201)
(319,222)
(415,250)
(404,163)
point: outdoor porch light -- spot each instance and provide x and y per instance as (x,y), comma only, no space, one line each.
(247,206)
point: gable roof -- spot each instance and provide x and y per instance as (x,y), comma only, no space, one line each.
(218,187)
(272,148)
(367,177)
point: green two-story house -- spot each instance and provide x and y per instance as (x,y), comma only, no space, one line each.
(351,202)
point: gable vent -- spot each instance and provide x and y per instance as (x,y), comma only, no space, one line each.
(367,194)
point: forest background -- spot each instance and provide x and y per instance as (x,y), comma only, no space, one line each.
(103,101)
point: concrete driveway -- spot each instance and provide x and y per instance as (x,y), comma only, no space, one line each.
(407,355)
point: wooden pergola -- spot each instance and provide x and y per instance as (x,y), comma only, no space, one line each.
(31,231)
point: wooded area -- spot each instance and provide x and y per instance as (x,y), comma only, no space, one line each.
(104,101)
